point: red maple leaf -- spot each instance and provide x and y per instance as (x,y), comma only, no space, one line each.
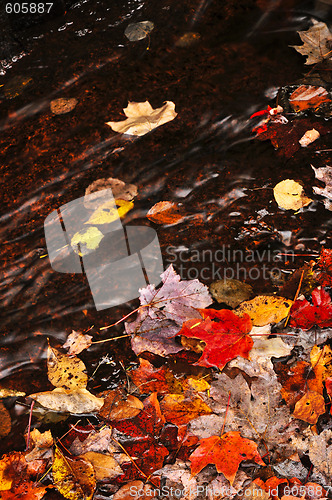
(325,267)
(224,333)
(304,315)
(225,452)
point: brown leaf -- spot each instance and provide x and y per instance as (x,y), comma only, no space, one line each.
(76,402)
(120,191)
(105,466)
(76,342)
(119,406)
(179,410)
(316,43)
(61,106)
(5,421)
(41,445)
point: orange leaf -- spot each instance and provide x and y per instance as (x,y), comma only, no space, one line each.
(225,338)
(164,212)
(308,96)
(310,407)
(178,409)
(119,406)
(225,452)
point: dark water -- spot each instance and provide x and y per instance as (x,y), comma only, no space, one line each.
(206,159)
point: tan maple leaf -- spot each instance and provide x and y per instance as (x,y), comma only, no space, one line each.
(142,118)
(317,42)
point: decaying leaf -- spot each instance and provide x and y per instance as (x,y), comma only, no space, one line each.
(304,315)
(138,31)
(76,402)
(320,451)
(289,195)
(179,410)
(74,478)
(168,307)
(62,105)
(316,42)
(119,406)
(307,97)
(165,212)
(310,407)
(142,118)
(76,342)
(265,309)
(324,174)
(120,191)
(231,292)
(226,453)
(145,491)
(105,466)
(41,446)
(309,137)
(63,371)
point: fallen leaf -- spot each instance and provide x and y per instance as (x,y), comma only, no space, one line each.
(310,407)
(316,43)
(105,466)
(225,338)
(76,402)
(307,97)
(321,361)
(120,191)
(76,342)
(142,118)
(165,309)
(324,264)
(265,309)
(226,453)
(138,31)
(289,195)
(304,315)
(9,393)
(85,241)
(65,372)
(16,86)
(16,473)
(120,406)
(230,292)
(74,478)
(110,211)
(179,410)
(309,137)
(147,379)
(324,174)
(295,381)
(5,421)
(320,451)
(165,212)
(62,105)
(28,490)
(41,446)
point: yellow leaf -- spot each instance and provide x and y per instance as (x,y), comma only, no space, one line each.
(84,241)
(142,118)
(5,482)
(64,371)
(74,478)
(105,466)
(108,212)
(265,309)
(289,195)
(76,402)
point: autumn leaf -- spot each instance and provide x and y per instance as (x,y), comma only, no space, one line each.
(324,265)
(64,371)
(105,466)
(309,137)
(165,212)
(41,446)
(76,402)
(265,309)
(316,43)
(295,380)
(225,452)
(120,191)
(163,312)
(74,478)
(110,211)
(310,407)
(289,195)
(120,406)
(304,315)
(147,379)
(229,291)
(61,106)
(308,96)
(76,342)
(138,31)
(223,332)
(16,473)
(27,490)
(142,118)
(324,174)
(179,410)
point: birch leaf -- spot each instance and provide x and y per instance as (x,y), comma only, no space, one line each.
(63,371)
(289,195)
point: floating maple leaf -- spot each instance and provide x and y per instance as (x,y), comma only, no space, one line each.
(316,43)
(142,118)
(304,315)
(225,338)
(324,174)
(164,312)
(225,452)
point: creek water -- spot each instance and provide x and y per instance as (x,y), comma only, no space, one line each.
(206,159)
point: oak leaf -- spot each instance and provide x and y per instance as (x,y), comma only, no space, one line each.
(142,118)
(76,342)
(265,309)
(63,371)
(304,315)
(223,332)
(74,478)
(226,453)
(316,43)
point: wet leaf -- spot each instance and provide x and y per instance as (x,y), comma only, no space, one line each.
(316,43)
(9,393)
(309,137)
(142,118)
(226,453)
(77,342)
(41,446)
(16,86)
(138,31)
(265,309)
(295,381)
(28,490)
(110,211)
(83,242)
(135,488)
(310,407)
(120,406)
(65,372)
(307,97)
(304,315)
(165,212)
(74,478)
(16,473)
(76,402)
(324,174)
(105,466)
(289,195)
(179,410)
(62,106)
(225,338)
(324,264)
(320,451)
(120,191)
(147,379)
(5,421)
(230,292)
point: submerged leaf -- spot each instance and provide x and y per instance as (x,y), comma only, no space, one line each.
(165,212)
(62,105)
(74,478)
(120,191)
(289,195)
(316,43)
(76,342)
(138,31)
